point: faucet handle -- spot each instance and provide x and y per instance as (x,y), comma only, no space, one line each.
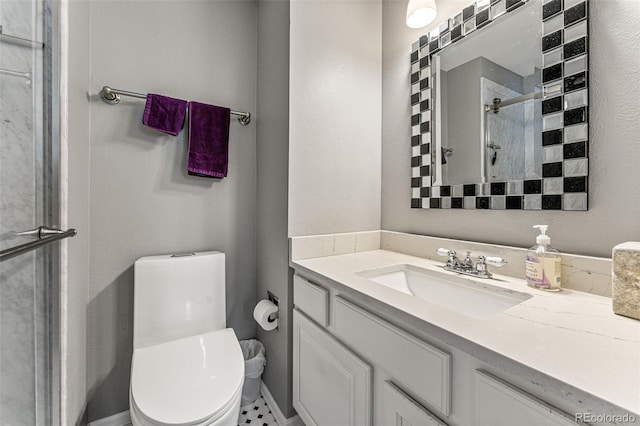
(495,261)
(445,252)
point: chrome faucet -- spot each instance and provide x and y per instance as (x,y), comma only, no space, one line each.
(466,265)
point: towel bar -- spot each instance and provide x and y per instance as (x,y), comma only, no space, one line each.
(111,96)
(43,235)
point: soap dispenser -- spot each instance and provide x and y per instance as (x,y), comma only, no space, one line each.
(543,265)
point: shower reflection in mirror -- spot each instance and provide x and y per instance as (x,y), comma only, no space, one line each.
(488,104)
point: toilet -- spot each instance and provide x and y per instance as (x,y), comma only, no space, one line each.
(187,367)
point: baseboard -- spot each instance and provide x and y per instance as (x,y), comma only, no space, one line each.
(275,409)
(120,419)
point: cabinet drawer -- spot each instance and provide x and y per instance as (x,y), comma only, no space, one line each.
(424,369)
(311,299)
(400,409)
(501,404)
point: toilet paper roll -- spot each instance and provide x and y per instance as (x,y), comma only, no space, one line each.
(261,313)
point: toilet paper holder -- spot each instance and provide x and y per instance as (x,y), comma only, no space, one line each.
(274,299)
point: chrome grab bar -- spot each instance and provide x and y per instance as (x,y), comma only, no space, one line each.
(26,75)
(42,234)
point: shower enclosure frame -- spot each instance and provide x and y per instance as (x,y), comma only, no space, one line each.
(52,199)
(46,210)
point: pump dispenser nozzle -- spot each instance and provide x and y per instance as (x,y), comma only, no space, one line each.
(543,238)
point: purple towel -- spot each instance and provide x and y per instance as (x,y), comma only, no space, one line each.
(164,113)
(208,152)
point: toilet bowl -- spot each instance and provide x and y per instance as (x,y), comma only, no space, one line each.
(187,369)
(192,381)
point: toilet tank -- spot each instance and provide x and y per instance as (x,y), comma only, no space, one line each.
(178,296)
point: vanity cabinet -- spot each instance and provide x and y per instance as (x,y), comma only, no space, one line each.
(331,385)
(417,365)
(402,410)
(356,367)
(501,404)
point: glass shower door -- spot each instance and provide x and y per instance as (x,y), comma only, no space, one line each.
(28,199)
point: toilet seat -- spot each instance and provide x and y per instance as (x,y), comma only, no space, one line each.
(192,381)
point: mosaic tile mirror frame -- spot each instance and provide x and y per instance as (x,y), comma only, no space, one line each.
(562,176)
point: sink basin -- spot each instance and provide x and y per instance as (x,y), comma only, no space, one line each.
(471,298)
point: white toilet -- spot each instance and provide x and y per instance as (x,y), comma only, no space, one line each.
(187,367)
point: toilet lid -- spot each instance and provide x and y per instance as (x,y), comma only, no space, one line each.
(187,380)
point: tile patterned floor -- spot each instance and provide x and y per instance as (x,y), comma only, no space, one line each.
(257,413)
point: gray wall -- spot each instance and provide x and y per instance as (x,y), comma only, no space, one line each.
(272,121)
(463,106)
(74,290)
(142,201)
(614,151)
(335,107)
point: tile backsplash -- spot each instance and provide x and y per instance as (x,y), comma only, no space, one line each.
(581,273)
(332,244)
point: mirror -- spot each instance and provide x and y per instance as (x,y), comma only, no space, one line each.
(488,101)
(499,108)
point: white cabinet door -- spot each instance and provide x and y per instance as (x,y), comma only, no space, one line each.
(501,404)
(331,385)
(402,410)
(418,366)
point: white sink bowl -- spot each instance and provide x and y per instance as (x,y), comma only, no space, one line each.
(472,298)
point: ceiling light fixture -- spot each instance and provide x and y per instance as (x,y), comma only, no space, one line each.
(421,13)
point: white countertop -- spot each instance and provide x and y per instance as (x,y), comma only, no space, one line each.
(572,336)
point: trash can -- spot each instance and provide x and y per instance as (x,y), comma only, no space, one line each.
(254,362)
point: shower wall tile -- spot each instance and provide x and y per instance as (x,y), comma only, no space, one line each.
(21,301)
(18,162)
